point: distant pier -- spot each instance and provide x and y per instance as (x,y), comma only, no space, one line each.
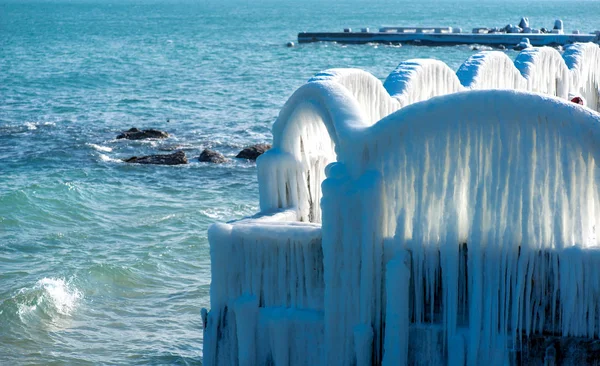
(437,36)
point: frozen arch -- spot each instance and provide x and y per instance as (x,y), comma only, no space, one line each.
(490,70)
(420,79)
(306,137)
(545,71)
(369,92)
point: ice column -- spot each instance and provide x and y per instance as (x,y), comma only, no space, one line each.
(246,315)
(397,316)
(353,261)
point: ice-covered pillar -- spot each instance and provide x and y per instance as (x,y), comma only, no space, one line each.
(363,344)
(456,350)
(335,308)
(353,260)
(280,339)
(246,316)
(397,310)
(219,332)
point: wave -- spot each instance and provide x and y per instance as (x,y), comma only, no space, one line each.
(49,298)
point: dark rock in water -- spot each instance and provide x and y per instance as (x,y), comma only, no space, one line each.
(253,152)
(210,156)
(501,47)
(481,48)
(137,134)
(176,158)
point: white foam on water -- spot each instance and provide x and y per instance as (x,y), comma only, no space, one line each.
(60,294)
(34,125)
(31,126)
(100,147)
(52,295)
(107,158)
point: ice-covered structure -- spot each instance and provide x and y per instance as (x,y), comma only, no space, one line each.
(398,226)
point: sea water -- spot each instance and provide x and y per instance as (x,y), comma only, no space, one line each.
(104,262)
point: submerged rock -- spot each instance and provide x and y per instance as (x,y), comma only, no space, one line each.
(478,47)
(137,134)
(176,158)
(253,152)
(210,156)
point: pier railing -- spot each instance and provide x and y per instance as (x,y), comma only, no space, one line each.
(512,174)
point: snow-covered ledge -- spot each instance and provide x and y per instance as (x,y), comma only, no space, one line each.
(267,280)
(456,229)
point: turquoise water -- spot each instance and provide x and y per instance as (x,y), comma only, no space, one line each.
(107,263)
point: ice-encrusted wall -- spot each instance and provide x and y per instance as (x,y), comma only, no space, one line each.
(514,177)
(473,214)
